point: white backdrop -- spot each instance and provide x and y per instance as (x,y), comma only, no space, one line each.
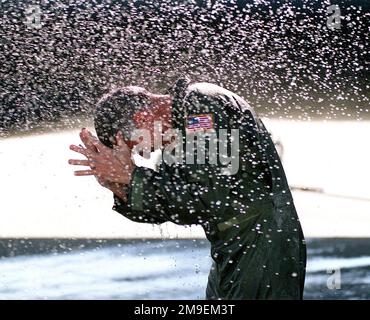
(40,196)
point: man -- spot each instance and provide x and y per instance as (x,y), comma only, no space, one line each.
(246,210)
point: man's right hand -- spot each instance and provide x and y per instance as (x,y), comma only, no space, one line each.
(117,188)
(91,149)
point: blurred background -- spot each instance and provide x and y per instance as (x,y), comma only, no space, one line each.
(303,66)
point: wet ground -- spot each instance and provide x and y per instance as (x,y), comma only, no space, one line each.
(159,269)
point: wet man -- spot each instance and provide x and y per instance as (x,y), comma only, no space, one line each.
(237,192)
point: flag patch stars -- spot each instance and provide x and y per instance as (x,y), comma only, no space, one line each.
(195,122)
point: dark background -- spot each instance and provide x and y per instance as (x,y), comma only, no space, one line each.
(279,55)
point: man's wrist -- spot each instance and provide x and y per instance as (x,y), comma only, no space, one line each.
(120,193)
(131,173)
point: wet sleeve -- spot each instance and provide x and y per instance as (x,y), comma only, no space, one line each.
(183,195)
(130,208)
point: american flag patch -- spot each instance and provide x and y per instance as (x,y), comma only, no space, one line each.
(199,122)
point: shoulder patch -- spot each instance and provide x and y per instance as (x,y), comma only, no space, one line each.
(199,122)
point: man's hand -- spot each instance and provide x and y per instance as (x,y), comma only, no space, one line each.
(112,167)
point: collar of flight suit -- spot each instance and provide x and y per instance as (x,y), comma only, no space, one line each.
(177,91)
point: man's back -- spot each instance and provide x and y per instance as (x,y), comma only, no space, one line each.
(258,246)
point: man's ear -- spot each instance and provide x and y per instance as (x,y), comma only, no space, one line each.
(163,112)
(143,116)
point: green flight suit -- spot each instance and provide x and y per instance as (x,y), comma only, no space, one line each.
(257,244)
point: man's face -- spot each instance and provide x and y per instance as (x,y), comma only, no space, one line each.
(159,112)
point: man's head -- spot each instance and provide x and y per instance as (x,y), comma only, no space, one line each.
(128,108)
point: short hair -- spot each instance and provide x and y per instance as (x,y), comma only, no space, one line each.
(115,112)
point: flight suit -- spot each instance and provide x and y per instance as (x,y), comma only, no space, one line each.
(249,217)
